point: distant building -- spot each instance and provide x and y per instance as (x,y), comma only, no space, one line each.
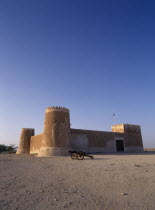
(58,137)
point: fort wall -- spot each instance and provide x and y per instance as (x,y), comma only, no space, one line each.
(36,143)
(94,141)
(132,137)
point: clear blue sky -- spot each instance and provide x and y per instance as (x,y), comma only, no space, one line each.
(94,57)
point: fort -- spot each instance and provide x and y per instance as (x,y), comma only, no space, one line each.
(58,137)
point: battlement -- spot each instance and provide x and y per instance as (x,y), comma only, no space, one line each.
(126,128)
(57,108)
(27,128)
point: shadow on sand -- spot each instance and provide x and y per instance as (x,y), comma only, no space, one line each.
(126,153)
(95,158)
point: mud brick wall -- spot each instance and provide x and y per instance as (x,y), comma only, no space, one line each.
(94,141)
(35,143)
(24,143)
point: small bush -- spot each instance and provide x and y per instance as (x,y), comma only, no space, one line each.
(4,148)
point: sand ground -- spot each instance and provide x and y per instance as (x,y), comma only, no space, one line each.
(119,182)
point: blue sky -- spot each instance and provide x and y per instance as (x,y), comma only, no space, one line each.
(94,57)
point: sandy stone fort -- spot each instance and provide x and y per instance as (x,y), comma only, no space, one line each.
(58,137)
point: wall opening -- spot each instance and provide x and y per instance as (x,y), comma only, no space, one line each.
(119,145)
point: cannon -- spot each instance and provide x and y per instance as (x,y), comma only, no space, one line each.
(79,155)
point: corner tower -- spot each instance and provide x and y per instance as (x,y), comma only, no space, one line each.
(132,137)
(56,138)
(24,143)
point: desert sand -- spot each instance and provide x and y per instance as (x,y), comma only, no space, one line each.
(119,182)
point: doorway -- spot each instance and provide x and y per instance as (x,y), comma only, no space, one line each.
(119,145)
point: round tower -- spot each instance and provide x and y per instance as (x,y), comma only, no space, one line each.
(24,144)
(57,135)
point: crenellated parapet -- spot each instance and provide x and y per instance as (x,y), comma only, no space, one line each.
(57,108)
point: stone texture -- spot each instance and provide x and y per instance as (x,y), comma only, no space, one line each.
(97,141)
(35,143)
(24,144)
(56,139)
(118,128)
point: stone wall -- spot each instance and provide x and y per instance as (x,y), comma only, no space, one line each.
(118,128)
(35,143)
(94,141)
(132,137)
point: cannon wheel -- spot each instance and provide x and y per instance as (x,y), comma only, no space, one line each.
(80,155)
(74,156)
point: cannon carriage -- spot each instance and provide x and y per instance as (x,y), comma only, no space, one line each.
(79,155)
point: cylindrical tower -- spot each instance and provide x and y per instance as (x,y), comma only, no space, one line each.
(57,136)
(24,144)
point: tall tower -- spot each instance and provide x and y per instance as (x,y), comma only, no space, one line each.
(24,144)
(57,135)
